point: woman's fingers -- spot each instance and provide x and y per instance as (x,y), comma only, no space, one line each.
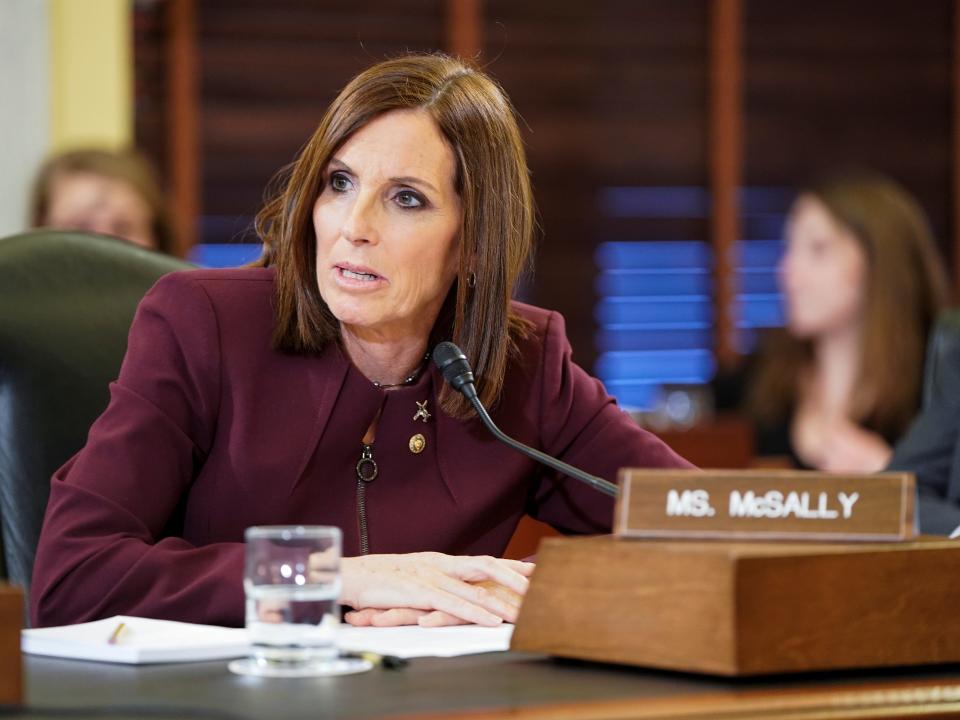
(438,619)
(360,618)
(431,589)
(521,566)
(397,616)
(506,594)
(511,599)
(426,618)
(511,574)
(480,594)
(481,590)
(466,609)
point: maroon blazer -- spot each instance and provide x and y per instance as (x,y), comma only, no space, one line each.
(209,431)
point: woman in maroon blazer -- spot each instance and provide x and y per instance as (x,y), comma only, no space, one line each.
(300,392)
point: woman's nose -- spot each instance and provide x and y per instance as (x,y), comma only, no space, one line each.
(362,221)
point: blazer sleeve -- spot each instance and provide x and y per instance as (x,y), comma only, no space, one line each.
(108,543)
(931,450)
(583,425)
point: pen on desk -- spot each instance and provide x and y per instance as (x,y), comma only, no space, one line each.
(390,662)
(115,635)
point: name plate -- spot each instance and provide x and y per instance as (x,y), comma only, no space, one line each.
(765,505)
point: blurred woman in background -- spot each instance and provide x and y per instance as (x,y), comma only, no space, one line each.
(862,285)
(105,192)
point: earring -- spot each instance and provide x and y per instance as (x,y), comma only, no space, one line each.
(472,280)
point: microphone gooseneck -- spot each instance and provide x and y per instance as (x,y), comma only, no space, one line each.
(455,367)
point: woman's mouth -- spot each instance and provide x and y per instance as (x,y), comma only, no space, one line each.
(358,276)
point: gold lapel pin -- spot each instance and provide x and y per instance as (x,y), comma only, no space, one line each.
(417,443)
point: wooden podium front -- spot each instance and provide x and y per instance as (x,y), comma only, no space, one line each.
(744,608)
(11,620)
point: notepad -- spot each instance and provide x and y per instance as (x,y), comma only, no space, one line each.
(142,641)
(413,641)
(145,640)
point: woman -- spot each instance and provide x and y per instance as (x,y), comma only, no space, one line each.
(105,192)
(301,392)
(862,285)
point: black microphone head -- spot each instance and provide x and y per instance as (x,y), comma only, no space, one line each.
(455,368)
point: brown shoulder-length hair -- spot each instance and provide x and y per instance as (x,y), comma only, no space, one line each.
(127,166)
(492,179)
(906,289)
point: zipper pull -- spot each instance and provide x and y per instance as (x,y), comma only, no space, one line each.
(367,466)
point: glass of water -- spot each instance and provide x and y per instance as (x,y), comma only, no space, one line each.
(292,582)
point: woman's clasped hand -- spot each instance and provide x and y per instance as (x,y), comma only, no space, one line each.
(432,589)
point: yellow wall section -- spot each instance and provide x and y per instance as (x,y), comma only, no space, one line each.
(91,67)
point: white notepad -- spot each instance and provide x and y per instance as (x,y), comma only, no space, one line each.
(142,641)
(145,641)
(412,641)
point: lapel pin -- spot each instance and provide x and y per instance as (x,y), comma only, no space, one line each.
(422,413)
(417,443)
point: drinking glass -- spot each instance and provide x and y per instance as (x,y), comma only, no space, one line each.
(292,582)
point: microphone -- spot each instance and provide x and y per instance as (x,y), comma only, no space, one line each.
(456,370)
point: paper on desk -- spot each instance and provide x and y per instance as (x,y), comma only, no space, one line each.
(414,641)
(146,640)
(143,640)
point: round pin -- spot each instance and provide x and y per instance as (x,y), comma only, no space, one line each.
(417,443)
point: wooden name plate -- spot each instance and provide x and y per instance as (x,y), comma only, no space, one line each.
(765,505)
(11,668)
(744,608)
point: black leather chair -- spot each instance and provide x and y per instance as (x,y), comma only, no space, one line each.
(66,303)
(931,447)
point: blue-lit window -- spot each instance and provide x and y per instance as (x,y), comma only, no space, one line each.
(759,304)
(653,317)
(224,255)
(654,312)
(228,241)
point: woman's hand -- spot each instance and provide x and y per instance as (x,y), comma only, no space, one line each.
(411,587)
(429,618)
(848,448)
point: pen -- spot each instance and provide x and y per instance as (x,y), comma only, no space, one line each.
(390,662)
(115,635)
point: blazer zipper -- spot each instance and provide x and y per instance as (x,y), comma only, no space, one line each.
(366,473)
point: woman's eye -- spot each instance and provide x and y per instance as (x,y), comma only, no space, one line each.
(339,182)
(409,199)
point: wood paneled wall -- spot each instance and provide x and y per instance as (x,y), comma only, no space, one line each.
(611,94)
(616,92)
(844,82)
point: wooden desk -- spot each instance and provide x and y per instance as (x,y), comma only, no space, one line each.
(497,685)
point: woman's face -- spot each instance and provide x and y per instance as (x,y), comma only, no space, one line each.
(95,203)
(823,274)
(387,226)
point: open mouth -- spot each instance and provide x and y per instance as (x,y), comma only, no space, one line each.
(360,275)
